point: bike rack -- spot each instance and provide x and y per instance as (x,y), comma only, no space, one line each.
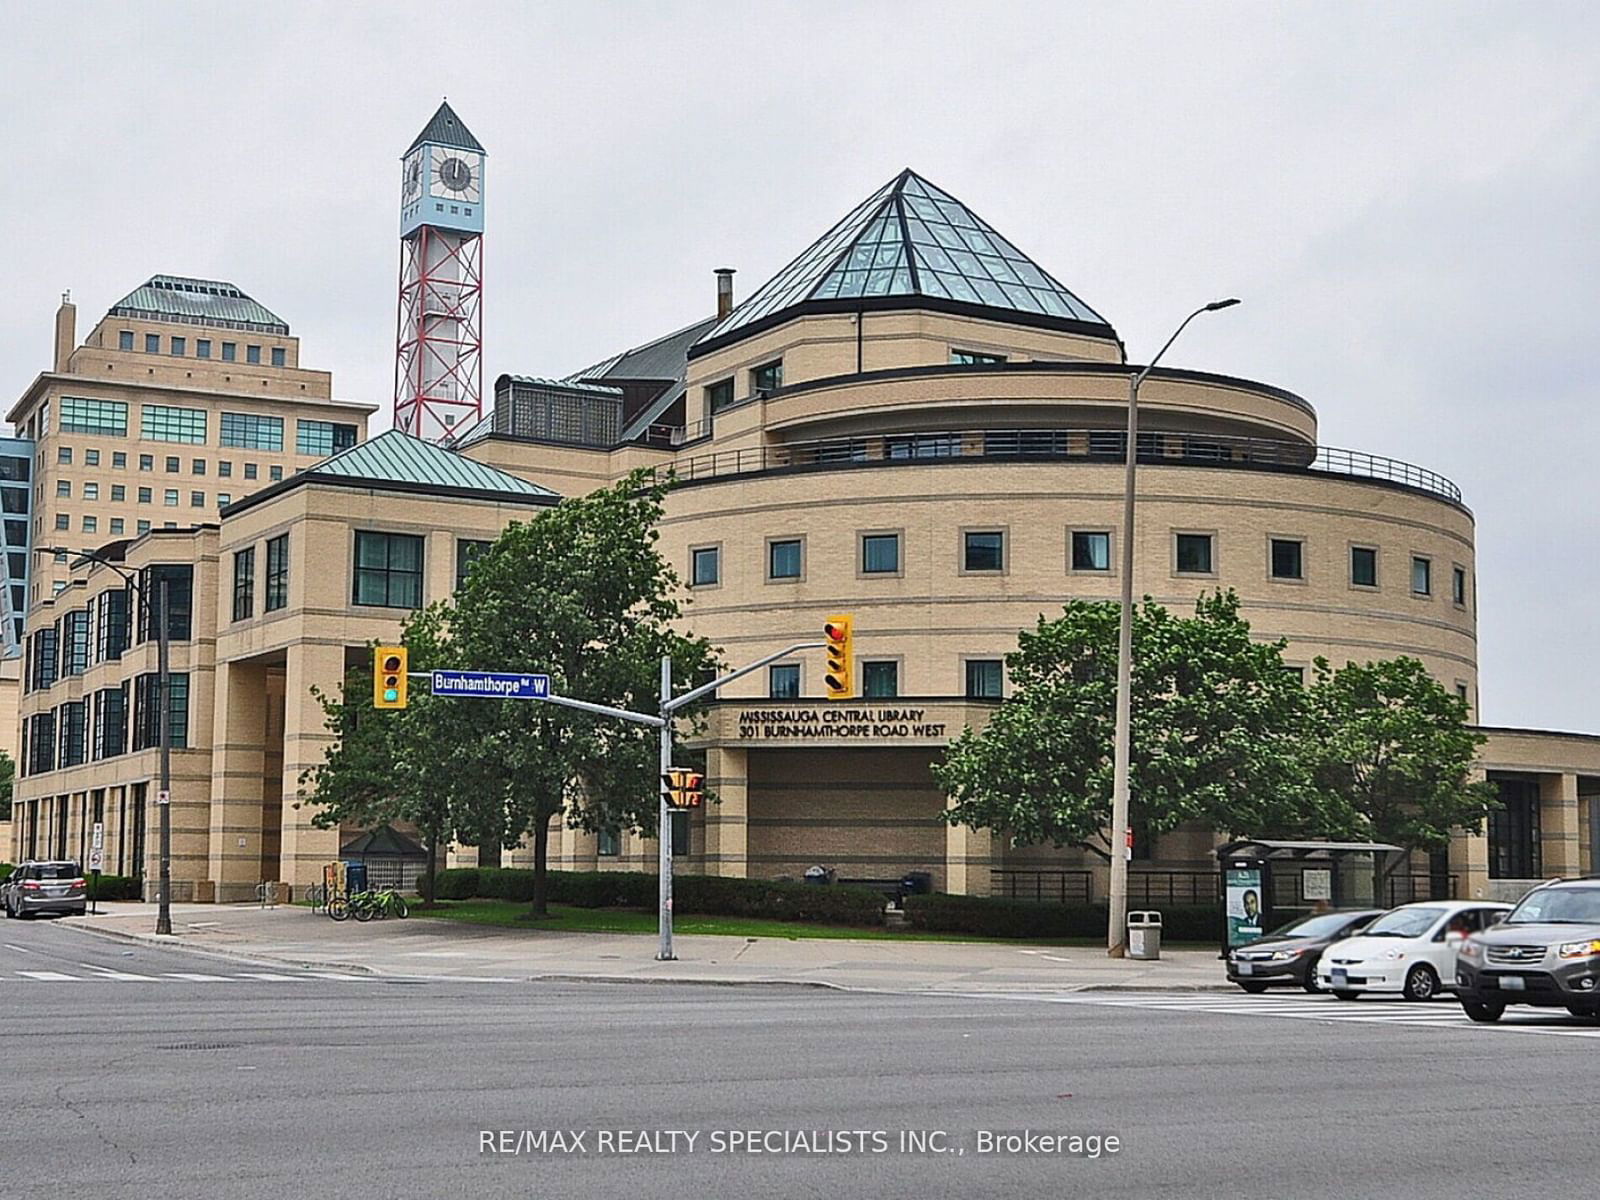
(267,895)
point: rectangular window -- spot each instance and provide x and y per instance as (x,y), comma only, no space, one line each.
(1363,566)
(147,712)
(145,495)
(783,681)
(91,524)
(75,642)
(63,521)
(277,356)
(179,578)
(720,395)
(119,460)
(1421,576)
(147,462)
(63,488)
(467,552)
(227,352)
(880,680)
(74,727)
(249,431)
(252,354)
(249,470)
(197,466)
(180,347)
(983,551)
(1458,585)
(705,566)
(45,662)
(1194,554)
(119,493)
(973,358)
(1091,550)
(1288,559)
(170,498)
(64,455)
(202,348)
(117,525)
(984,678)
(125,340)
(143,526)
(91,458)
(784,559)
(223,500)
(323,439)
(274,473)
(225,469)
(388,570)
(152,343)
(768,377)
(880,554)
(91,491)
(165,423)
(277,593)
(109,417)
(608,843)
(244,584)
(110,733)
(197,499)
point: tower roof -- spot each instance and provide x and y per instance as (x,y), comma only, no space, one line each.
(910,240)
(446,129)
(197,302)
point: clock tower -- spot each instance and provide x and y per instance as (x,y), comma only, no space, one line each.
(438,379)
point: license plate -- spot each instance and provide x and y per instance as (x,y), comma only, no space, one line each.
(1341,977)
(1513,983)
(1245,968)
(57,891)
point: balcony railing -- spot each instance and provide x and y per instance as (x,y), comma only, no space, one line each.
(1063,445)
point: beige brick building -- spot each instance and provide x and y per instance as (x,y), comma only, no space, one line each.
(913,423)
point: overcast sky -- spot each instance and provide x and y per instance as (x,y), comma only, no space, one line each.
(1407,197)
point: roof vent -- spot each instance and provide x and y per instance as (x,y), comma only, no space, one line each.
(724,291)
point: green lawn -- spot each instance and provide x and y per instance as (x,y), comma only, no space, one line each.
(511,914)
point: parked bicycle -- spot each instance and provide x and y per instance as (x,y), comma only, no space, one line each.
(365,906)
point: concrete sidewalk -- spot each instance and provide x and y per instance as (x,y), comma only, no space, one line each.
(424,946)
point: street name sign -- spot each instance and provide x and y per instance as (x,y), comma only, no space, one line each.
(491,685)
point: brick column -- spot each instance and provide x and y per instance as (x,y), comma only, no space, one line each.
(237,762)
(727,823)
(304,848)
(969,857)
(1558,825)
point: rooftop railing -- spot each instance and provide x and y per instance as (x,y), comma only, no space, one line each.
(1063,445)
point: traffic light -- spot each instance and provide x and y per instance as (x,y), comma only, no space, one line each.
(839,654)
(683,788)
(389,677)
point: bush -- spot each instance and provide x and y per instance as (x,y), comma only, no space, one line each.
(456,883)
(994,917)
(5,871)
(116,887)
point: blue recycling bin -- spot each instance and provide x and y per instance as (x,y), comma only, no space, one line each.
(355,876)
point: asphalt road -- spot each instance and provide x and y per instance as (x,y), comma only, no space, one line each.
(214,1078)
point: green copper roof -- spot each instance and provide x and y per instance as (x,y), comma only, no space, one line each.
(197,302)
(910,239)
(398,458)
(446,129)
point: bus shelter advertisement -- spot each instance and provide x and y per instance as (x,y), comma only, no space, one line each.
(1243,887)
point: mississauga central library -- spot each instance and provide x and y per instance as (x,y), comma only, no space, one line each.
(913,422)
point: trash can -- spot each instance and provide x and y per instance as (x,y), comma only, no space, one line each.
(1144,935)
(916,883)
(817,875)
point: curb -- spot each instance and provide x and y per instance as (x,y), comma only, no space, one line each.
(209,951)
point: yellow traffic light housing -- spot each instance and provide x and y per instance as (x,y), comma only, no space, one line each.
(839,655)
(389,664)
(683,788)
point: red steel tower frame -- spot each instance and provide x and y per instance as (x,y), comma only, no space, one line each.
(438,381)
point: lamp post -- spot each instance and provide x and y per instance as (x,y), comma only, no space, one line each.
(163,716)
(1116,932)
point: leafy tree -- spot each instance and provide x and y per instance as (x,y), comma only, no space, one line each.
(1215,731)
(8,778)
(1391,755)
(582,594)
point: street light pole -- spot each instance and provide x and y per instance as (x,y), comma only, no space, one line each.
(1116,930)
(164,716)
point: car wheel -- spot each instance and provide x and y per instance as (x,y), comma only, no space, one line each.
(1255,989)
(1483,1012)
(1421,983)
(1310,981)
(1345,995)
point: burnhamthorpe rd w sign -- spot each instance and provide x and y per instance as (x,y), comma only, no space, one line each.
(491,685)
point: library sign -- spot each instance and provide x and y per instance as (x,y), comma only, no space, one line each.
(805,723)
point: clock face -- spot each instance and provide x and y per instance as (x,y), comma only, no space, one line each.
(411,179)
(455,175)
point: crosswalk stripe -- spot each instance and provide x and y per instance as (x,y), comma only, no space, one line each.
(267,975)
(108,973)
(47,976)
(337,975)
(195,977)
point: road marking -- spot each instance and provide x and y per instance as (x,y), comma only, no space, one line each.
(47,976)
(337,975)
(108,973)
(195,977)
(268,976)
(18,949)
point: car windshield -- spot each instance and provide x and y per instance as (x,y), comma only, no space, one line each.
(61,870)
(1558,906)
(1321,925)
(1403,923)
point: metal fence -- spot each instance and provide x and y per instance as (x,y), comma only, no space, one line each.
(1147,887)
(1062,445)
(1045,887)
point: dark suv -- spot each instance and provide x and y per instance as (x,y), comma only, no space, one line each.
(42,887)
(1546,952)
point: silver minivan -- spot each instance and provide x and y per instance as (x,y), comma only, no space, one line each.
(44,887)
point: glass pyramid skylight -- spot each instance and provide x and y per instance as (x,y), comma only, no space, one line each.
(909,238)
